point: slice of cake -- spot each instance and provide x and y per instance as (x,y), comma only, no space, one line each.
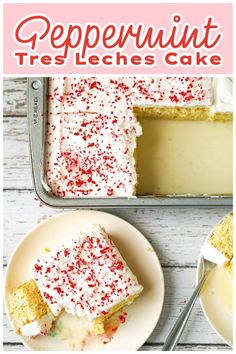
(219,247)
(173,98)
(91,155)
(107,95)
(86,276)
(30,314)
(184,98)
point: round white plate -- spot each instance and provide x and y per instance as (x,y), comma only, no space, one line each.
(143,314)
(220,320)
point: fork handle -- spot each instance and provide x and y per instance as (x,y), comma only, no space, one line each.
(175,334)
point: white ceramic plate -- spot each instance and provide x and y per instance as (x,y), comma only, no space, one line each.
(134,247)
(215,312)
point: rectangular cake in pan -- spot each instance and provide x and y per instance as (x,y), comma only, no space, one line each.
(131,136)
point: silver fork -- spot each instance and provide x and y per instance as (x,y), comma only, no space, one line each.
(177,330)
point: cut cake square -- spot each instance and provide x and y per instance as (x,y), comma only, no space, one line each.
(86,276)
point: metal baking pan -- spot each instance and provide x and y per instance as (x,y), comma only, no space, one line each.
(37,117)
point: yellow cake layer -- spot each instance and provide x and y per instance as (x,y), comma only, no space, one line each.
(181,113)
(26,304)
(222,238)
(184,157)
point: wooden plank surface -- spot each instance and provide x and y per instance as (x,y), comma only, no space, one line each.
(14,96)
(146,347)
(176,233)
(16,165)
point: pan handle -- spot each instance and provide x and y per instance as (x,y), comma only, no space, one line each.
(37,115)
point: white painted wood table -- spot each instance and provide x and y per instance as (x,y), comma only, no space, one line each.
(176,233)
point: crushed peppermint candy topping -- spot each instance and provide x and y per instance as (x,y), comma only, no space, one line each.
(173,91)
(90,155)
(86,277)
(119,94)
(92,130)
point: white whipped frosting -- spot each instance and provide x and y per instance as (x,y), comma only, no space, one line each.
(223,94)
(85,277)
(213,255)
(38,327)
(108,96)
(171,91)
(92,155)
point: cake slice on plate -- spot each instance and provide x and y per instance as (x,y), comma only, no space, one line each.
(219,247)
(86,276)
(30,314)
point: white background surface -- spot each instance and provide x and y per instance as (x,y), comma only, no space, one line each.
(176,233)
